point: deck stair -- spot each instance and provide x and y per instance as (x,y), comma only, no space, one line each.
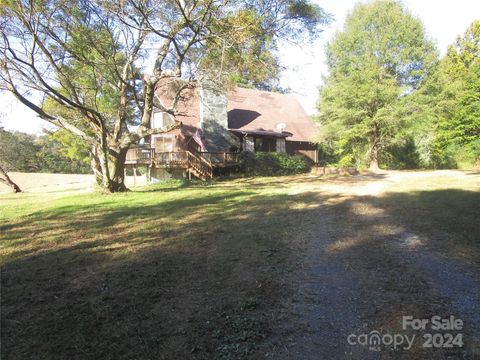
(194,165)
(199,167)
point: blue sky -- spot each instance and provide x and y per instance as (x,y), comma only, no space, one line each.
(444,21)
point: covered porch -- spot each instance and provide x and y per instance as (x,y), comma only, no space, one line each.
(262,140)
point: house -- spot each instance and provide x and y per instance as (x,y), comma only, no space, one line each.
(217,125)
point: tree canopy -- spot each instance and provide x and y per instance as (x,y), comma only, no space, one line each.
(455,101)
(57,152)
(381,56)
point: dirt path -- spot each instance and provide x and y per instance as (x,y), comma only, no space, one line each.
(372,255)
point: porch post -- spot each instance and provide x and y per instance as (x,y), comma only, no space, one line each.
(281,147)
(248,144)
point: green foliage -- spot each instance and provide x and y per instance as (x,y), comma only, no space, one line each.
(240,59)
(250,58)
(272,164)
(401,155)
(247,161)
(327,154)
(18,151)
(380,57)
(29,153)
(446,109)
(72,147)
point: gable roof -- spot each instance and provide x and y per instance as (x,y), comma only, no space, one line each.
(255,110)
(248,110)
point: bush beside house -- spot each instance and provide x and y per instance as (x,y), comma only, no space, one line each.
(272,164)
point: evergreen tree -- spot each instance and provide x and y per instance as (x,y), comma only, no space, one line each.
(381,56)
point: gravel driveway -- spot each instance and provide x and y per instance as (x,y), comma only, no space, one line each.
(376,249)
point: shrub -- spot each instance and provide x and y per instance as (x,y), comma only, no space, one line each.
(402,155)
(272,164)
(247,162)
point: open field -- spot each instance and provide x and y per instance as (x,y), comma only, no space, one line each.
(59,183)
(282,268)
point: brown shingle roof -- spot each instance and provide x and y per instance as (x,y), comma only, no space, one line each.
(251,110)
(259,110)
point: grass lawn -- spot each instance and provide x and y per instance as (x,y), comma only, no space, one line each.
(171,271)
(201,271)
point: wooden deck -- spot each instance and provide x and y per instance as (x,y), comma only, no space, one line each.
(178,159)
(200,165)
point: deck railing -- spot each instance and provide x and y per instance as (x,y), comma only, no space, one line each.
(177,158)
(220,158)
(139,156)
(201,164)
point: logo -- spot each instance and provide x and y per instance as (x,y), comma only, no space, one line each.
(437,332)
(375,340)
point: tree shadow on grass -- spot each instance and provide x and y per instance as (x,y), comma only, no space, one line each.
(180,279)
(172,185)
(202,277)
(107,222)
(279,182)
(449,217)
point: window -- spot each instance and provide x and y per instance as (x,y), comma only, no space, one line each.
(160,120)
(164,143)
(265,144)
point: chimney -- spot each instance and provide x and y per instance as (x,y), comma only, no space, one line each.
(214,118)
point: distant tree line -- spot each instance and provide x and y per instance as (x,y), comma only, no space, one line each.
(390,102)
(55,152)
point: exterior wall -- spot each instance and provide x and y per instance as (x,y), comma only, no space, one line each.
(304,148)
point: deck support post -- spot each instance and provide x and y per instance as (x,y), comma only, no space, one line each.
(149,173)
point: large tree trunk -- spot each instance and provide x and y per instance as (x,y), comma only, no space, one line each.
(110,171)
(374,157)
(116,171)
(5,179)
